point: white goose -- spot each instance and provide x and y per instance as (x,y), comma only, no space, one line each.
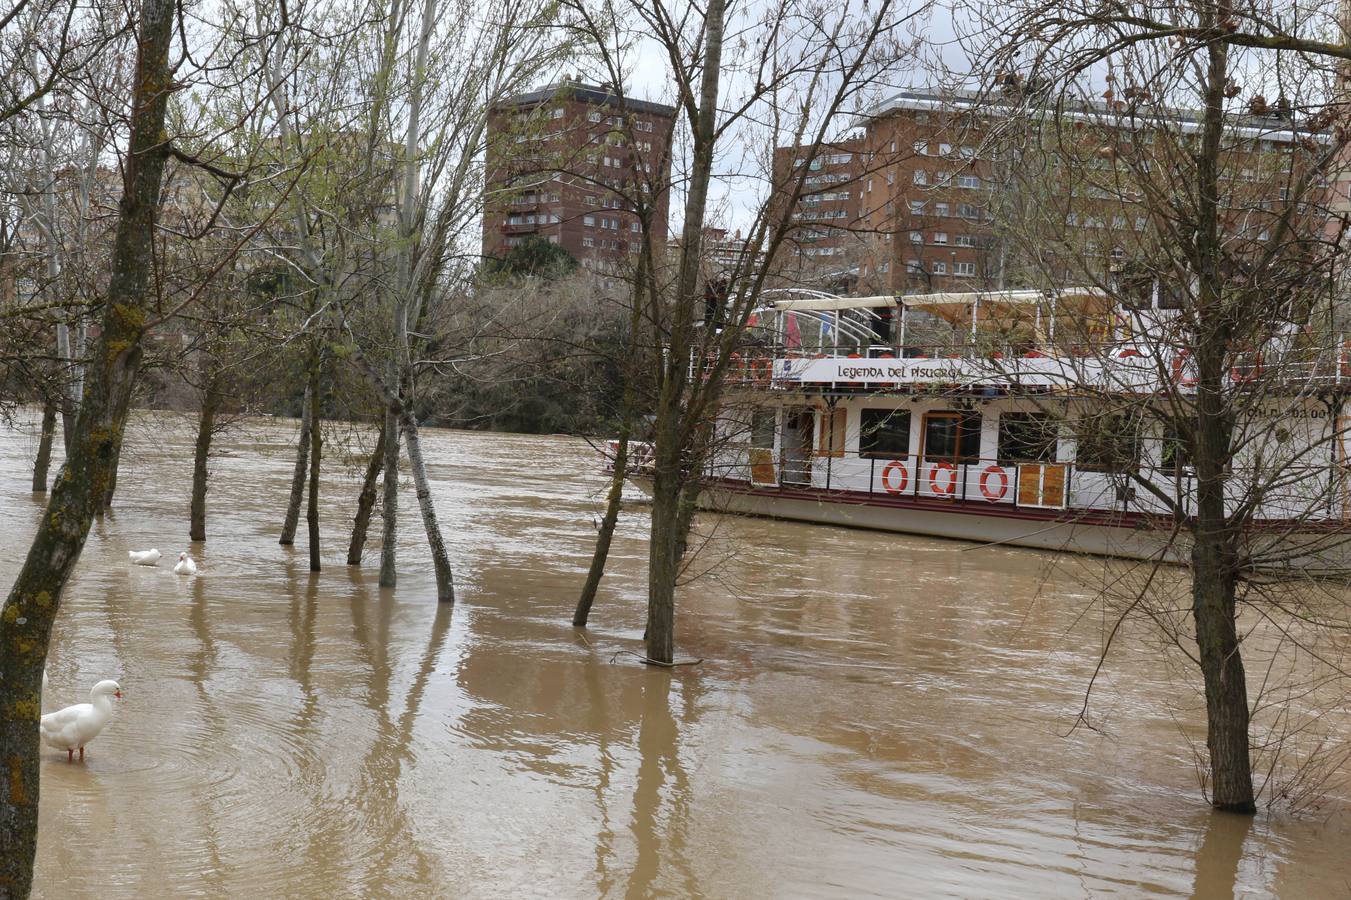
(71,728)
(185,565)
(144,557)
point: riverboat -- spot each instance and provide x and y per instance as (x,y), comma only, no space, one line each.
(1022,418)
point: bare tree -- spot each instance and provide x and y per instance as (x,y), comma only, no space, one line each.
(1206,213)
(788,75)
(33,601)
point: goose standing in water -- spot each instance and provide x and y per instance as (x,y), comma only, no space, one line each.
(71,728)
(144,557)
(185,565)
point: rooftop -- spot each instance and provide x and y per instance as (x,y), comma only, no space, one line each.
(597,95)
(1272,127)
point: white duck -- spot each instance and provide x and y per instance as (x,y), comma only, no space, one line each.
(185,565)
(144,557)
(71,728)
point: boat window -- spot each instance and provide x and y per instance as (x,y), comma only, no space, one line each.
(1027,437)
(952,436)
(762,428)
(885,433)
(1107,443)
(1174,458)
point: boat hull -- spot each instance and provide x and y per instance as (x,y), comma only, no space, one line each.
(1125,536)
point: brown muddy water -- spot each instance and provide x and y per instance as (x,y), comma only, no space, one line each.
(875,715)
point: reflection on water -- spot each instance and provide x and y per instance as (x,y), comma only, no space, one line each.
(877,715)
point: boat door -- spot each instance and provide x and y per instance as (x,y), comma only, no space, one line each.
(798,425)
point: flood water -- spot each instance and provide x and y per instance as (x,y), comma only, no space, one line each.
(875,715)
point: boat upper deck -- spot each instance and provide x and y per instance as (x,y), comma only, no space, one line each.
(1009,341)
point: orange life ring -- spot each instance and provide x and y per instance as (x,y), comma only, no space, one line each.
(1179,373)
(985,474)
(933,479)
(1129,353)
(895,466)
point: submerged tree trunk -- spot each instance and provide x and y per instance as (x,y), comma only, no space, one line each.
(206,426)
(35,597)
(366,500)
(1215,551)
(672,434)
(288,529)
(663,565)
(44,457)
(445,582)
(106,500)
(613,502)
(316,449)
(389,505)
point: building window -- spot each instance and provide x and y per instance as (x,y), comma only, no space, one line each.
(589,220)
(916,237)
(942,209)
(1026,438)
(921,177)
(968,211)
(588,242)
(915,267)
(968,181)
(885,434)
(965,240)
(945,150)
(593,116)
(964,268)
(921,147)
(558,113)
(940,268)
(940,237)
(917,207)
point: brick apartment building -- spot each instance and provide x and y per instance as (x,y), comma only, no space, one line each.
(573,164)
(912,203)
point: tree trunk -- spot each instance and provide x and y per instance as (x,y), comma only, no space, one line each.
(389,506)
(316,448)
(288,529)
(672,435)
(106,500)
(44,457)
(445,582)
(206,425)
(1214,550)
(613,501)
(663,565)
(1227,715)
(34,599)
(366,500)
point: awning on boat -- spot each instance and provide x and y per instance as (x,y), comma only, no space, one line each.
(956,306)
(1010,305)
(831,304)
